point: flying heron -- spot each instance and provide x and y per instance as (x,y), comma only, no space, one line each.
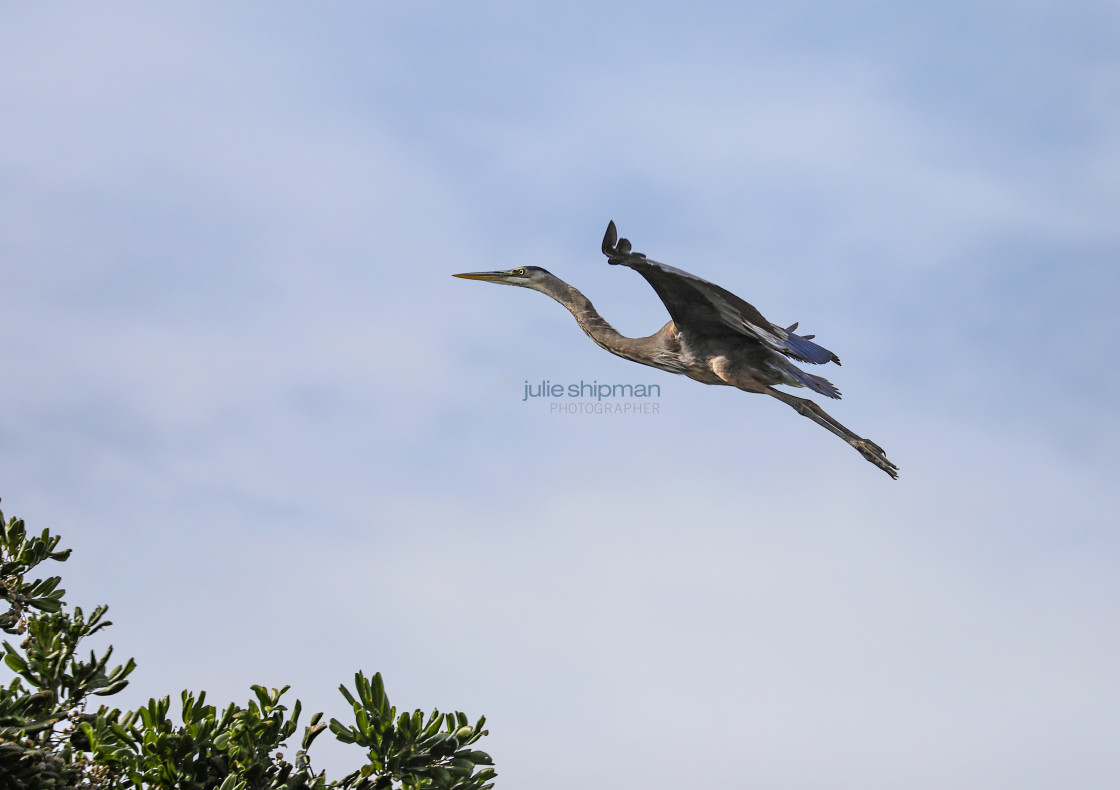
(715,337)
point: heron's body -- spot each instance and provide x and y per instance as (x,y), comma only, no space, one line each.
(715,337)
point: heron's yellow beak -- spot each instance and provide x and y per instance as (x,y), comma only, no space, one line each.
(492,277)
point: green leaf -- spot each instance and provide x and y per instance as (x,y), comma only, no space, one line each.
(459,766)
(111,688)
(378,694)
(15,661)
(341,731)
(313,732)
(478,758)
(232,783)
(46,604)
(442,776)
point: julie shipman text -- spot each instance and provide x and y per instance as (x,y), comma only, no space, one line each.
(547,389)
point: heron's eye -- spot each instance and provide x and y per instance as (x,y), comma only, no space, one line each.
(519,272)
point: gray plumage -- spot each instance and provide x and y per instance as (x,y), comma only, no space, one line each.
(714,336)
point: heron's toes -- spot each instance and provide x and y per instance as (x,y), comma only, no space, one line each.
(874,453)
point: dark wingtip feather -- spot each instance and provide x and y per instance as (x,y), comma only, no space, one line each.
(610,239)
(618,251)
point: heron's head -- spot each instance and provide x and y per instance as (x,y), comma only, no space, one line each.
(533,277)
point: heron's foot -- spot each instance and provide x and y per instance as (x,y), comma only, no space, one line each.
(874,453)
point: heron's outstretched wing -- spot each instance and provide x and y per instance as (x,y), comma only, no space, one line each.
(697,305)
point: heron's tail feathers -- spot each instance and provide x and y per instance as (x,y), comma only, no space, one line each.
(797,377)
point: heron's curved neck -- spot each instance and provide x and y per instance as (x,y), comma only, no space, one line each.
(589,320)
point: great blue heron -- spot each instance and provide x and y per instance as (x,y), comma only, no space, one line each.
(715,337)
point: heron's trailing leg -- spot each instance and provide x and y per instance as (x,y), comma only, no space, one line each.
(867,448)
(726,370)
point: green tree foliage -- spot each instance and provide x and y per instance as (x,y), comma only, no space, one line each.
(49,740)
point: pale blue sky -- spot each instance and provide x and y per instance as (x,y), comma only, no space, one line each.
(287,445)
